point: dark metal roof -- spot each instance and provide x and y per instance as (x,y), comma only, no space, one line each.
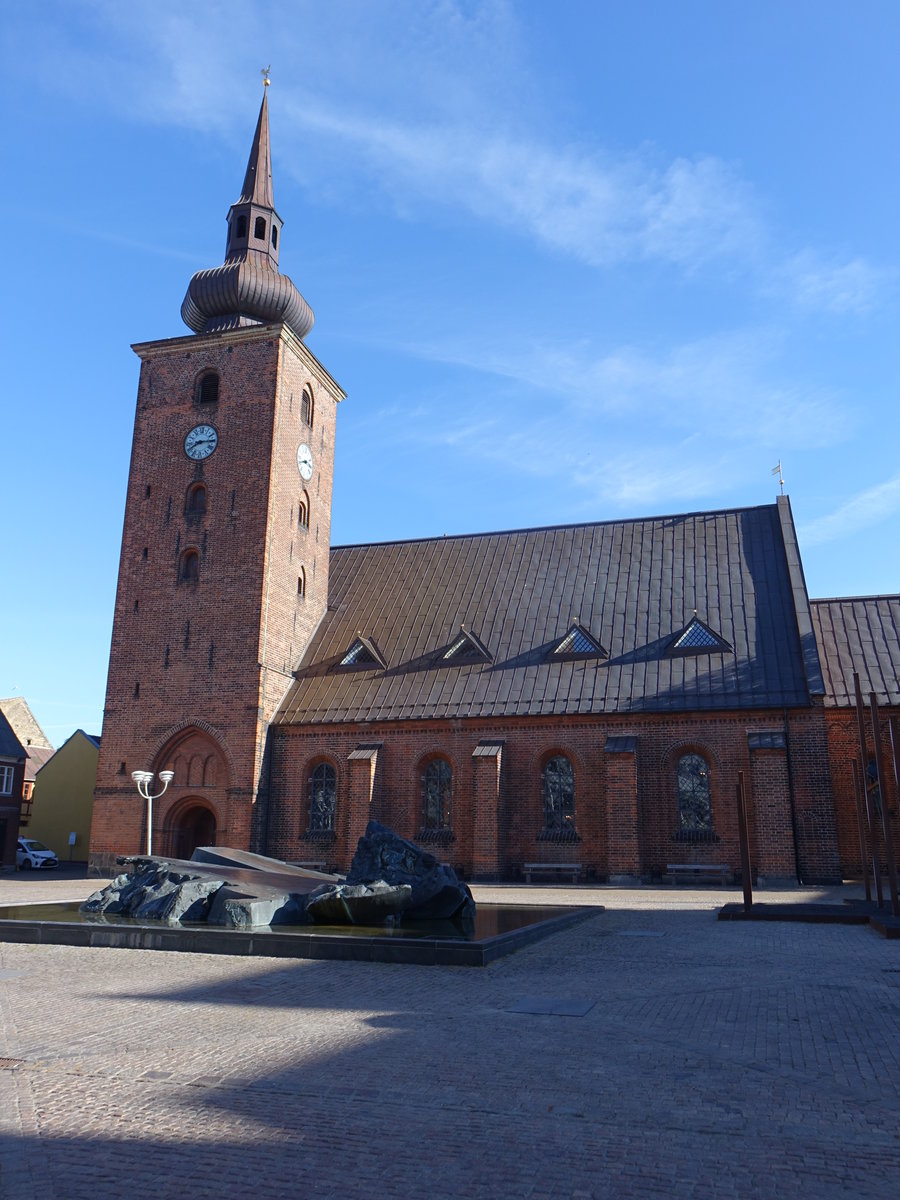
(631,584)
(859,634)
(37,757)
(10,746)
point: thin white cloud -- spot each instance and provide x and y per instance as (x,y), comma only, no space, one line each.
(868,508)
(842,287)
(481,142)
(731,389)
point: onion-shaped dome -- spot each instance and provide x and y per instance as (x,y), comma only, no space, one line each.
(244,293)
(248,289)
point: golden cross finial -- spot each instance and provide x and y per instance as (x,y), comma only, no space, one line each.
(265,74)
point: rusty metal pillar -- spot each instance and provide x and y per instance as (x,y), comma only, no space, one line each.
(861,826)
(885,811)
(863,759)
(745,844)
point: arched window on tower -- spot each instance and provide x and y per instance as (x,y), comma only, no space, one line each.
(559,800)
(189,566)
(208,388)
(241,227)
(436,798)
(322,788)
(694,807)
(301,582)
(274,237)
(195,500)
(303,510)
(259,228)
(307,406)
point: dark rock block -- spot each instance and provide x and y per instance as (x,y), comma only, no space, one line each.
(436,892)
(358,904)
(155,892)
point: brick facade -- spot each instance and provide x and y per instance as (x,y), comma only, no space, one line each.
(212,657)
(843,748)
(626,802)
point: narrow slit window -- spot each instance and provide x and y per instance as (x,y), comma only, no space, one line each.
(208,388)
(190,566)
(307,407)
(195,501)
(301,582)
(274,237)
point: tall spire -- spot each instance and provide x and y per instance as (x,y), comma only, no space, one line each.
(257,187)
(248,288)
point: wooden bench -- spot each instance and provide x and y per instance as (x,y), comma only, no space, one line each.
(698,873)
(572,870)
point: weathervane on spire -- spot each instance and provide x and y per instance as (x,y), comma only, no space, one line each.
(777,471)
(265,74)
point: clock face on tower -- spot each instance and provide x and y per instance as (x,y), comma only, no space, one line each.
(304,461)
(201,442)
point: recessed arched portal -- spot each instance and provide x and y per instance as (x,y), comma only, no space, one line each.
(192,824)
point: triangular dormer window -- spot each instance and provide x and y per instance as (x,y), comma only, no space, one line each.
(465,649)
(577,643)
(363,653)
(697,638)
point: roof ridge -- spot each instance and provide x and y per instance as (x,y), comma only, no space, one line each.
(851,599)
(449,537)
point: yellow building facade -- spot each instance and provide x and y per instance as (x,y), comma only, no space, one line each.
(63,798)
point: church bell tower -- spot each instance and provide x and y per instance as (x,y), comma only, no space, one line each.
(223,574)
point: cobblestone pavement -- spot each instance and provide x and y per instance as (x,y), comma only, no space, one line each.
(714,1060)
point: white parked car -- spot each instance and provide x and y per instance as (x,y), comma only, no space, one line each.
(30,853)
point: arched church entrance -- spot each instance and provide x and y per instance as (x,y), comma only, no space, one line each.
(193,824)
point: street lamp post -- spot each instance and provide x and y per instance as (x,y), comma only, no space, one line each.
(144,779)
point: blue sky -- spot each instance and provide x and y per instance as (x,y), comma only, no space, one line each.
(570,261)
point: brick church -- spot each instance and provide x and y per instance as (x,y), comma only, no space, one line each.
(581,694)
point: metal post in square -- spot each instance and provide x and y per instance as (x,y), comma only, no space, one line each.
(863,760)
(744,837)
(861,826)
(885,809)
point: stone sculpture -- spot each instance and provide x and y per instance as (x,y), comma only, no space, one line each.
(390,880)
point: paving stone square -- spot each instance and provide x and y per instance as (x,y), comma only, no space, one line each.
(710,1059)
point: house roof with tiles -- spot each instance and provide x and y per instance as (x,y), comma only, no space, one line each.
(696,611)
(859,634)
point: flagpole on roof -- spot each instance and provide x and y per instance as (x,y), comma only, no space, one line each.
(777,471)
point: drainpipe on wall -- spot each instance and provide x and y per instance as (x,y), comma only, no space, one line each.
(790,775)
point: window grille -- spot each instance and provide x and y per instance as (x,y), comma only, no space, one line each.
(322,799)
(559,798)
(437,797)
(694,808)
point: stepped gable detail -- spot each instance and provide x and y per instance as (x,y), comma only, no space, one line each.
(248,289)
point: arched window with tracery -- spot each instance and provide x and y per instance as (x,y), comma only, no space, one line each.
(559,800)
(694,807)
(437,798)
(322,800)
